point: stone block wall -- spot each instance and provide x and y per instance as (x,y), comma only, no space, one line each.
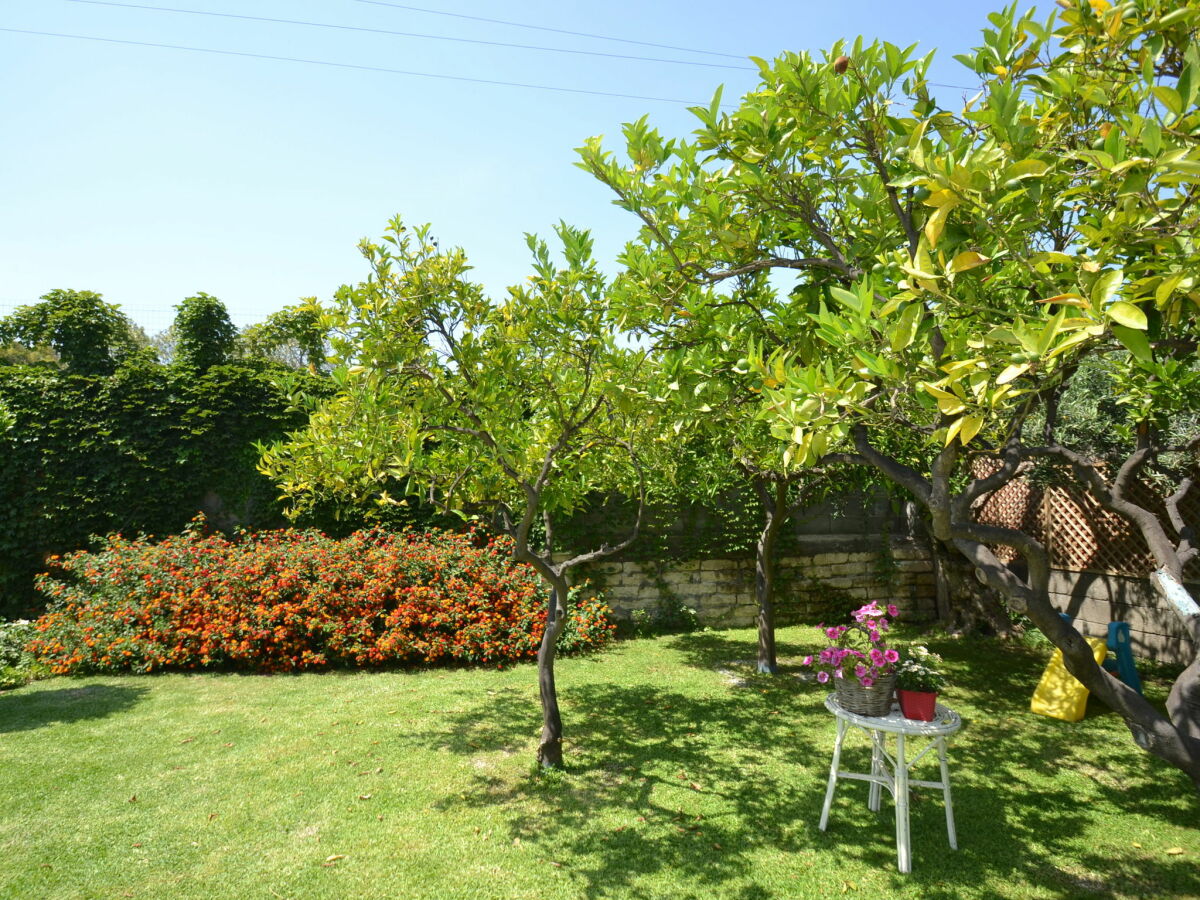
(826,579)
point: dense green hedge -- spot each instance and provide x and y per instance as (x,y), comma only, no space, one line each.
(140,450)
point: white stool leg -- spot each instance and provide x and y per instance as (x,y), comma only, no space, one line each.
(903,849)
(833,772)
(949,803)
(876,770)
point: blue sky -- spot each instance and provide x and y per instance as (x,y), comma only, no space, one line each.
(149,174)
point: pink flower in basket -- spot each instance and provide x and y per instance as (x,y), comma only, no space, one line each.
(858,650)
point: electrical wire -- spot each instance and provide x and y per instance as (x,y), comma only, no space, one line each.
(409,34)
(362,68)
(599,37)
(159,311)
(438,37)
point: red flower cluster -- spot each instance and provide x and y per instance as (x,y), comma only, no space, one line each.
(291,600)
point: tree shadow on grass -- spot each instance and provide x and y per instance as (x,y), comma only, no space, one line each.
(27,710)
(712,649)
(650,787)
(662,782)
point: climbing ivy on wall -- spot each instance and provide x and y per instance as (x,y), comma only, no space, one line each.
(140,450)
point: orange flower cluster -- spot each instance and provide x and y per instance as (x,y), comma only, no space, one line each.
(291,600)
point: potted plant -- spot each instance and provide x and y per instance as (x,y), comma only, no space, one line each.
(858,661)
(918,682)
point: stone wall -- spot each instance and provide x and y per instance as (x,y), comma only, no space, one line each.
(1095,599)
(823,580)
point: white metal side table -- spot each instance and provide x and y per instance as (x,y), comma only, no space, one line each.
(893,773)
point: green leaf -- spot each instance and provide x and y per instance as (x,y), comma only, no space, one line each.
(905,329)
(1106,285)
(1128,315)
(1016,370)
(1135,342)
(1189,83)
(1169,97)
(1068,342)
(1051,256)
(969,428)
(846,298)
(1167,287)
(1174,18)
(1050,331)
(1151,137)
(968,259)
(1026,168)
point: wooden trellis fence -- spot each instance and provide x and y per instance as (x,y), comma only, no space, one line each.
(1079,534)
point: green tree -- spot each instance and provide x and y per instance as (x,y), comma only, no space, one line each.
(292,336)
(956,267)
(90,336)
(15,354)
(699,335)
(203,334)
(518,410)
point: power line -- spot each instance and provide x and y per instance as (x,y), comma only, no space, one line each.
(361,68)
(11,303)
(599,37)
(410,34)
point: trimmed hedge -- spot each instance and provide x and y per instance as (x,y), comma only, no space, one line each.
(293,600)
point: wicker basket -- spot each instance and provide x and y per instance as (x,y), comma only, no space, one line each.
(875,700)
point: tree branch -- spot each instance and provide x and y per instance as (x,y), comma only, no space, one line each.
(606,549)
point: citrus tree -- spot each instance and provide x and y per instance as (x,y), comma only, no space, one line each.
(698,333)
(517,410)
(953,267)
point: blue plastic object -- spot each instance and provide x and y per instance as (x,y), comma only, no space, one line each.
(1121,663)
(1119,644)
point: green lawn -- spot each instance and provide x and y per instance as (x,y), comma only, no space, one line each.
(682,783)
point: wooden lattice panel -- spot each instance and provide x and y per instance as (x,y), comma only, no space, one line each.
(1079,533)
(1017,505)
(1084,536)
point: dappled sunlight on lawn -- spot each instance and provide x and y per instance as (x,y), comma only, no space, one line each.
(688,775)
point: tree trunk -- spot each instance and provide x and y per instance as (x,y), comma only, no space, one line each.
(774,515)
(1183,703)
(953,524)
(549,753)
(971,607)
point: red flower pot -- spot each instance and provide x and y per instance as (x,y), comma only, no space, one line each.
(917,705)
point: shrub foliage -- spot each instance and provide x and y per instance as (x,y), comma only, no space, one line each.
(293,600)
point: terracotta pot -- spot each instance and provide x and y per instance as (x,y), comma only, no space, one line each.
(917,705)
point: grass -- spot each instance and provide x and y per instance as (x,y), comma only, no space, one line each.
(688,777)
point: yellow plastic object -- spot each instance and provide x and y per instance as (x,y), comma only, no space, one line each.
(1060,694)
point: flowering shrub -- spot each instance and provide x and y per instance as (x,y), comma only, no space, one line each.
(292,600)
(859,649)
(918,670)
